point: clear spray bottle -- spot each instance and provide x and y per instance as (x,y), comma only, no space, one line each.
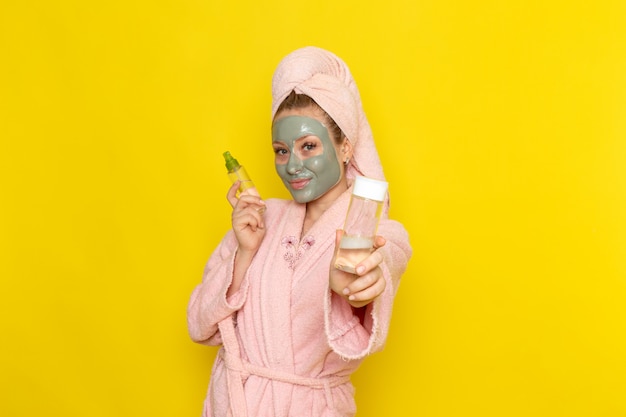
(237,172)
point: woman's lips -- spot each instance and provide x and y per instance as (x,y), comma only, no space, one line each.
(299,183)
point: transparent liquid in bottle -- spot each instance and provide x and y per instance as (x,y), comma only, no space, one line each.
(352,250)
(361,223)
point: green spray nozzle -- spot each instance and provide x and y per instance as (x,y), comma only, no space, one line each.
(231,163)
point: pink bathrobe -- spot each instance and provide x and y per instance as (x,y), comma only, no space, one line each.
(289,344)
(301,340)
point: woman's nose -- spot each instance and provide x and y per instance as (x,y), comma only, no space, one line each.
(294,165)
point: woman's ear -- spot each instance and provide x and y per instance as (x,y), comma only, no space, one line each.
(346,150)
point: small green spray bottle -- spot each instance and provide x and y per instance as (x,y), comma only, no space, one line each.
(236,173)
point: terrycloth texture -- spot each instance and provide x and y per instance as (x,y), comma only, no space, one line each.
(288,321)
(325,78)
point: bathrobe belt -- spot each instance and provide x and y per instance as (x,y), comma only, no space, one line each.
(238,370)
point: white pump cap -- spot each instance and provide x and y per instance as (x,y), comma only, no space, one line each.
(370,188)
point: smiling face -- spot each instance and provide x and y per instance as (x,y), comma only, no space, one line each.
(306,157)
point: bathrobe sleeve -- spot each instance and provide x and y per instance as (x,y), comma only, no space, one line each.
(347,335)
(208,304)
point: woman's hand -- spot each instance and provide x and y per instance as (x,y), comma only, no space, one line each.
(368,283)
(247,219)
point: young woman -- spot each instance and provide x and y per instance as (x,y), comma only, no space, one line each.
(292,327)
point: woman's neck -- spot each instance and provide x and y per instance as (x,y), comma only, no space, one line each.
(315,208)
(313,213)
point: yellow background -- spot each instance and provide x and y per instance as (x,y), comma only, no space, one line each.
(502,129)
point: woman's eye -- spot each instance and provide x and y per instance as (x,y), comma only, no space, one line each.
(280,151)
(308,146)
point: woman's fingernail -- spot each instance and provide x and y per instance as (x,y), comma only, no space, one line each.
(360,269)
(351,298)
(346,291)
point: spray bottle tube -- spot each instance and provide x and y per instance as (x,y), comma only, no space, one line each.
(237,172)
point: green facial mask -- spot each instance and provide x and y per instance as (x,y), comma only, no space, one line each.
(306,177)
